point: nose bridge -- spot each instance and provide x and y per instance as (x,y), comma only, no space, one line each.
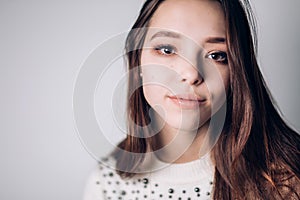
(188,66)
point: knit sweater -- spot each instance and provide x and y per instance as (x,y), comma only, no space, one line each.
(184,181)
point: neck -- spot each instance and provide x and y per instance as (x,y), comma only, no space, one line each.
(180,146)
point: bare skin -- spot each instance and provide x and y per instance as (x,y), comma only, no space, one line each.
(202,21)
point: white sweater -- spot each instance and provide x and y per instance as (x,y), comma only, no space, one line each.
(185,181)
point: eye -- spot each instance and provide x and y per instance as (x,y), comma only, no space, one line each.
(219,56)
(165,49)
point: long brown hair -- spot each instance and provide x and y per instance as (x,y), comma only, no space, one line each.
(257,156)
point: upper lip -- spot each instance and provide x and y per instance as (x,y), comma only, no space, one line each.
(190,97)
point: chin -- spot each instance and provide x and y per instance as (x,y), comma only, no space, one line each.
(186,124)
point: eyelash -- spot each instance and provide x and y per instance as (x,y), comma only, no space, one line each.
(218,56)
(160,48)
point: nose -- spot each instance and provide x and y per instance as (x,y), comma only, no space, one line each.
(189,74)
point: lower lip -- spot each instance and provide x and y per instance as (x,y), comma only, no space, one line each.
(187,104)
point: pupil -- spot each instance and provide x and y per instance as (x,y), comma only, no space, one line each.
(167,51)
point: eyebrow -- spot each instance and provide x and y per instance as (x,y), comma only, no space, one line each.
(166,34)
(211,40)
(215,40)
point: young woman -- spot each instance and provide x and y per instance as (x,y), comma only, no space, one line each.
(193,70)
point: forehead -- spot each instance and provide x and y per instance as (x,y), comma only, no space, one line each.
(196,19)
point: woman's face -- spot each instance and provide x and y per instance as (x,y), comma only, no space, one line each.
(184,62)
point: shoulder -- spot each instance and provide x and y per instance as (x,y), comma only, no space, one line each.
(95,185)
(104,182)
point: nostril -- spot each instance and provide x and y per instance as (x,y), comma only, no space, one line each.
(197,82)
(192,77)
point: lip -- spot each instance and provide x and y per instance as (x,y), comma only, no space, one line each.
(187,101)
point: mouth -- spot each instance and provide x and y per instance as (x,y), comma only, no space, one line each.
(187,101)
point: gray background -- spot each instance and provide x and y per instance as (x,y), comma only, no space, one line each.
(42,46)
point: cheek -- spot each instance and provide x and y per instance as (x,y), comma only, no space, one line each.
(217,83)
(221,90)
(153,78)
(225,76)
(157,80)
(153,94)
(226,79)
(157,68)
